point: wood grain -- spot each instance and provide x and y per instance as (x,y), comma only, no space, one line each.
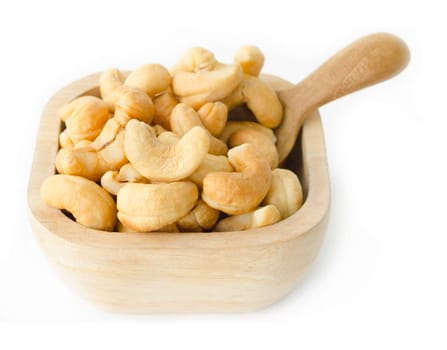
(181,272)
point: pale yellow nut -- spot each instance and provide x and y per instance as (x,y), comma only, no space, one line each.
(214,117)
(184,118)
(196,89)
(195,59)
(210,164)
(112,181)
(201,217)
(263,144)
(232,126)
(83,161)
(250,58)
(107,135)
(84,117)
(90,204)
(151,78)
(169,138)
(109,81)
(128,173)
(148,207)
(285,192)
(260,217)
(241,191)
(164,104)
(158,161)
(159,129)
(133,103)
(65,140)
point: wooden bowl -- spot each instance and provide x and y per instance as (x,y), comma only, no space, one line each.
(181,272)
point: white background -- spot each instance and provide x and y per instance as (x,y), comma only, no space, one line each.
(381,277)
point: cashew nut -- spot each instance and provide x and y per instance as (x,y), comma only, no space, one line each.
(109,81)
(128,173)
(195,59)
(83,161)
(184,118)
(65,140)
(90,204)
(263,144)
(148,207)
(211,163)
(113,180)
(196,89)
(151,78)
(162,162)
(241,191)
(168,137)
(164,104)
(213,116)
(84,117)
(201,217)
(285,192)
(133,103)
(233,126)
(250,58)
(260,217)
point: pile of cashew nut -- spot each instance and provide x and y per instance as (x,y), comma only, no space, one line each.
(159,151)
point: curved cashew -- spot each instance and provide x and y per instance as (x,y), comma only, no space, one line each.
(196,89)
(201,217)
(90,204)
(241,191)
(250,58)
(285,192)
(151,78)
(184,118)
(84,117)
(211,163)
(164,104)
(148,207)
(264,146)
(112,181)
(195,59)
(109,81)
(260,98)
(83,161)
(214,117)
(133,103)
(169,138)
(260,217)
(161,162)
(233,126)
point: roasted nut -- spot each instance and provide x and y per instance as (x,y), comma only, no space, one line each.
(285,192)
(148,207)
(164,104)
(84,117)
(196,89)
(260,217)
(211,163)
(250,58)
(90,204)
(83,161)
(128,173)
(151,78)
(263,144)
(201,217)
(109,81)
(106,137)
(133,103)
(242,191)
(158,161)
(233,126)
(184,118)
(112,181)
(65,140)
(195,59)
(214,117)
(260,98)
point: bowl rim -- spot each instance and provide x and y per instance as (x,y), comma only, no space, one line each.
(314,211)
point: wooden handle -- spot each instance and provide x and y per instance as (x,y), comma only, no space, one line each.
(365,62)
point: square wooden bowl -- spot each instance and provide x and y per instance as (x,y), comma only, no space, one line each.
(181,272)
